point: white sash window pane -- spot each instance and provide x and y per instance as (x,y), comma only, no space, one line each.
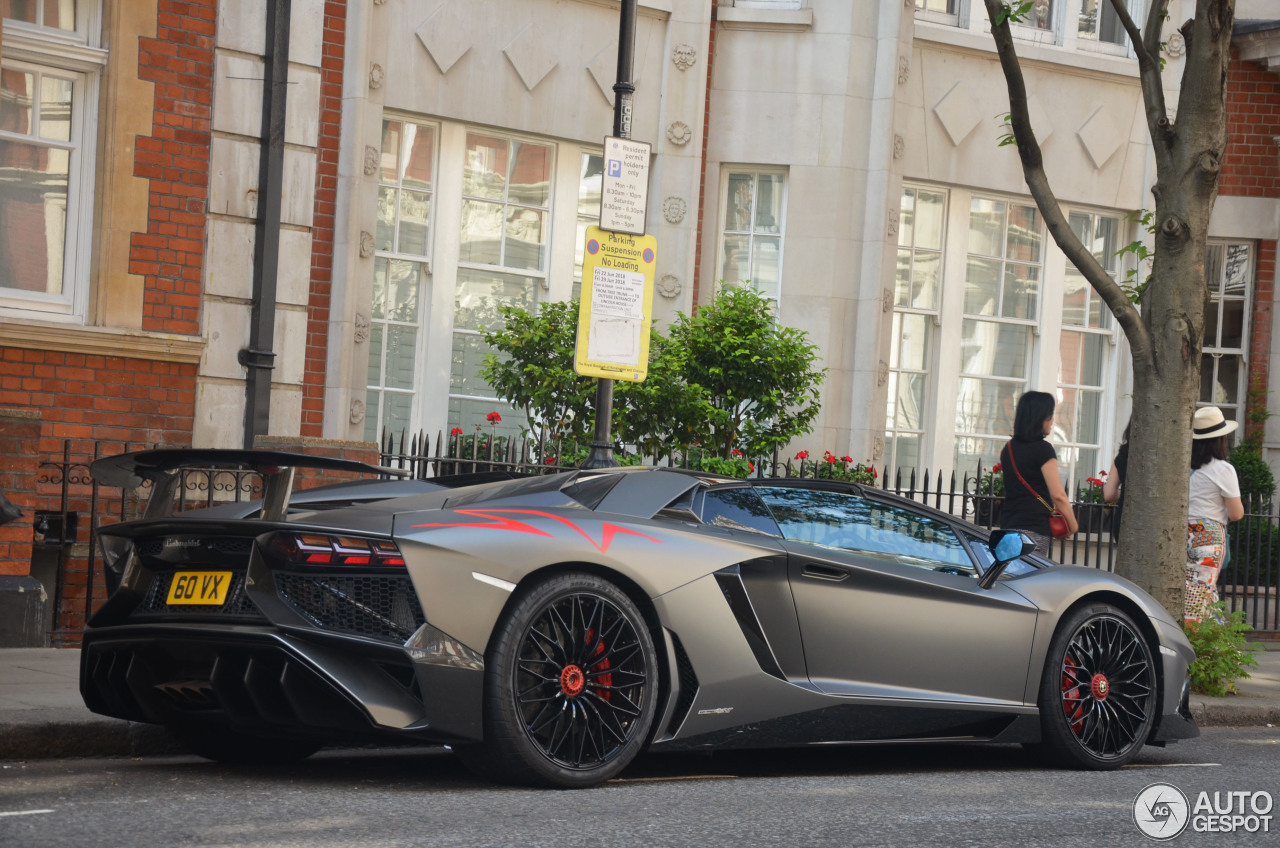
(765,261)
(930,207)
(737,253)
(420,160)
(909,348)
(924,280)
(738,209)
(415,213)
(993,349)
(33,208)
(55,108)
(481,233)
(17,111)
(390,158)
(375,356)
(480,293)
(1021,288)
(401,354)
(530,177)
(485,171)
(768,216)
(386,228)
(986,227)
(982,286)
(526,239)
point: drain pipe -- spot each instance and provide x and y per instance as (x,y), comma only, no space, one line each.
(259,357)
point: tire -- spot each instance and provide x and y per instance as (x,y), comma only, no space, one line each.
(217,743)
(1098,692)
(571,685)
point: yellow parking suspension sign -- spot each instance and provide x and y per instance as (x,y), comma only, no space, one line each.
(617,306)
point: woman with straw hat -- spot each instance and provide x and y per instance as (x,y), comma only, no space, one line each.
(1214,500)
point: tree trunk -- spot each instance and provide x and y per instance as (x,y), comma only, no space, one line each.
(1165,339)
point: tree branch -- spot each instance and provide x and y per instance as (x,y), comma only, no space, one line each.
(1146,44)
(1038,182)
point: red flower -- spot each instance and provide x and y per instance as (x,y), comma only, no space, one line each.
(493,418)
(802,455)
(751,466)
(551,460)
(996,469)
(830,459)
(1093,481)
(456,431)
(737,452)
(1102,474)
(874,475)
(846,459)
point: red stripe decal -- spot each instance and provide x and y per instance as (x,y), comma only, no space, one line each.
(499,523)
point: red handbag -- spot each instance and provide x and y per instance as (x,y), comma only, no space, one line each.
(1057,521)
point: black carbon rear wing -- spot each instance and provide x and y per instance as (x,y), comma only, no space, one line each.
(163,468)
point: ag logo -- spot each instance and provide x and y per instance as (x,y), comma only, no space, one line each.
(1161,811)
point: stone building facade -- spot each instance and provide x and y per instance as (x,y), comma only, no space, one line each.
(440,158)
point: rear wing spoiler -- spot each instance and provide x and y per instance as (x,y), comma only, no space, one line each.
(163,468)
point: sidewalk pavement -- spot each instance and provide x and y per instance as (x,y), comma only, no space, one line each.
(43,716)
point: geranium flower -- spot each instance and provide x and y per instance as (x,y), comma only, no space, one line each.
(493,418)
(456,431)
(996,469)
(802,455)
(846,459)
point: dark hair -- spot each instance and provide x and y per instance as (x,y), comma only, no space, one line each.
(1203,450)
(1033,409)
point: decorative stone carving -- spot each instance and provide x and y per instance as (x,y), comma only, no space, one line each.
(886,300)
(370,160)
(673,209)
(684,55)
(679,133)
(893,223)
(882,375)
(877,449)
(669,286)
(899,146)
(1176,45)
(362,328)
(357,411)
(366,244)
(904,69)
(376,75)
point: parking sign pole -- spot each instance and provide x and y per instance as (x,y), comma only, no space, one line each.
(601,455)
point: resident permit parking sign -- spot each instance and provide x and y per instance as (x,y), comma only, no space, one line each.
(617,306)
(624,191)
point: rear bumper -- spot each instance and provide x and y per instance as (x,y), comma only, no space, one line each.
(265,679)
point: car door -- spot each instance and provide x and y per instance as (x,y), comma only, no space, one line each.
(889,606)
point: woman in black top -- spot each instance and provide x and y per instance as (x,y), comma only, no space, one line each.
(1037,462)
(1113,490)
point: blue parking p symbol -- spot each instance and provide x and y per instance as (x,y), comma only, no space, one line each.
(614,166)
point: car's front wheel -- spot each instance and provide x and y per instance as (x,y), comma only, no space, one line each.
(1098,692)
(571,686)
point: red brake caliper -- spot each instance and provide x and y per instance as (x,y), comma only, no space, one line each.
(605,680)
(1071,699)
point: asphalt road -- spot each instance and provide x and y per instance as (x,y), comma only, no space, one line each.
(873,796)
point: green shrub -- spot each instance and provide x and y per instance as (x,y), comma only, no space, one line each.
(1221,651)
(1256,480)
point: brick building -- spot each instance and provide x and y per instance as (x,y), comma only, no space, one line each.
(434,159)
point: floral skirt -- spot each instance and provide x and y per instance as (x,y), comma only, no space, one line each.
(1206,548)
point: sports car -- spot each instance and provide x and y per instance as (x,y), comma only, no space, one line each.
(549,629)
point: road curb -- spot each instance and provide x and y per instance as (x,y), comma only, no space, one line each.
(1235,715)
(105,738)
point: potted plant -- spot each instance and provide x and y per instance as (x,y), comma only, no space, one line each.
(1093,514)
(989,496)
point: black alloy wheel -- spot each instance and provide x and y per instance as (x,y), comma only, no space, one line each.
(1098,695)
(571,686)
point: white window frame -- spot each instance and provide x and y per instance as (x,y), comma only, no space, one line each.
(542,276)
(933,321)
(1068,449)
(77,56)
(424,260)
(1234,411)
(958,17)
(768,4)
(756,171)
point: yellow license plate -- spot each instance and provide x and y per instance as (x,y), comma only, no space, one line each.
(200,587)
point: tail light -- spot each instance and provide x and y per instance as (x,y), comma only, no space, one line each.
(317,550)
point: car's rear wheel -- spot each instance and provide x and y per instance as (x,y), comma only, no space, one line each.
(1098,692)
(223,745)
(571,685)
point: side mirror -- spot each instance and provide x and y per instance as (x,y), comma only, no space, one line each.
(1006,546)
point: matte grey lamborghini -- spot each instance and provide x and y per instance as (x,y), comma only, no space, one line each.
(550,628)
